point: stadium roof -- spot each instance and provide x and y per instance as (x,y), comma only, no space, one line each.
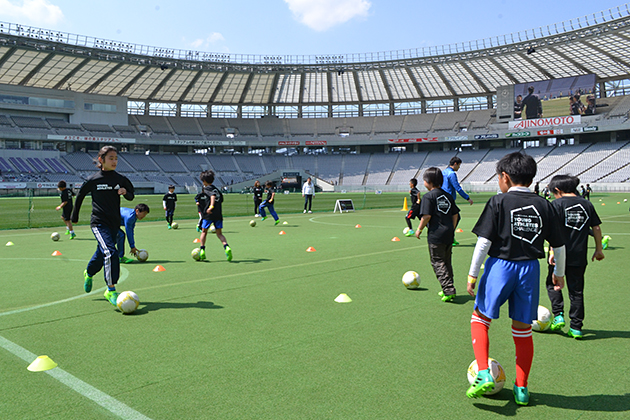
(597,44)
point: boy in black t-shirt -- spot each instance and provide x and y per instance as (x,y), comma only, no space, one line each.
(414,198)
(269,203)
(511,230)
(209,205)
(439,212)
(258,192)
(66,204)
(168,202)
(579,216)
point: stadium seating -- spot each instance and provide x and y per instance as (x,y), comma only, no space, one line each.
(354,169)
(407,167)
(380,168)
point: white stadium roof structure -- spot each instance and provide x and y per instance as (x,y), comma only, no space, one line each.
(597,44)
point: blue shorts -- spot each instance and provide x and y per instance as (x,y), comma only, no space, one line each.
(205,224)
(515,281)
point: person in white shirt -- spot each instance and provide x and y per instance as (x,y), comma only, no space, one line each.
(307,192)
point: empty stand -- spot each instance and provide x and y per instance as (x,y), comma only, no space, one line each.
(380,168)
(555,161)
(407,167)
(355,168)
(169,163)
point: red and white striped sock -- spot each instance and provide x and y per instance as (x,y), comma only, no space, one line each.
(480,342)
(524,347)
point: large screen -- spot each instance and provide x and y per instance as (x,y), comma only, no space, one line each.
(555,97)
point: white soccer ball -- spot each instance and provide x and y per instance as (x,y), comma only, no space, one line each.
(195,254)
(543,321)
(127,302)
(213,228)
(142,255)
(496,370)
(406,230)
(252,223)
(174,225)
(55,236)
(411,280)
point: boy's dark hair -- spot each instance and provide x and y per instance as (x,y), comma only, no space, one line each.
(142,207)
(520,167)
(530,90)
(61,184)
(414,181)
(564,183)
(207,176)
(434,177)
(101,154)
(454,160)
(269,184)
(171,187)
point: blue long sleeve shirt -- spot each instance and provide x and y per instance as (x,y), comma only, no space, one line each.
(128,220)
(451,184)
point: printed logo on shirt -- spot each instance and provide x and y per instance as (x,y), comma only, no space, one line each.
(100,187)
(117,187)
(526,223)
(575,217)
(443,204)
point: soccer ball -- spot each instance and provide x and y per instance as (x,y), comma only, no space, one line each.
(543,321)
(195,254)
(406,230)
(127,302)
(174,225)
(496,370)
(142,255)
(252,223)
(213,228)
(54,236)
(411,280)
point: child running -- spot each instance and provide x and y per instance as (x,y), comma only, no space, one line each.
(439,211)
(66,205)
(511,230)
(168,202)
(414,198)
(268,203)
(209,204)
(128,218)
(579,216)
(106,187)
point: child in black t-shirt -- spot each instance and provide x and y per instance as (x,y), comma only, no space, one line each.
(579,216)
(168,202)
(511,230)
(66,204)
(210,206)
(414,198)
(439,212)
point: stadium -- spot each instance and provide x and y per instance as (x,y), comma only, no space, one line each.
(264,336)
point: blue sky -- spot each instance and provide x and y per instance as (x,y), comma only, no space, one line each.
(294,27)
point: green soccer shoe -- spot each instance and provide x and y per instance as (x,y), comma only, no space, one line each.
(87,282)
(483,382)
(521,395)
(111,296)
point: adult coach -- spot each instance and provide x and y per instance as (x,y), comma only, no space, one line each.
(451,184)
(532,104)
(307,192)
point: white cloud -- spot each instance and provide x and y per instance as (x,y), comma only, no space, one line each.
(38,12)
(210,40)
(321,15)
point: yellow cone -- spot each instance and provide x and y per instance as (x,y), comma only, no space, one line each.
(42,363)
(405,208)
(343,298)
(10,243)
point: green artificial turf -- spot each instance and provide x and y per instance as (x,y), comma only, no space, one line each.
(262,337)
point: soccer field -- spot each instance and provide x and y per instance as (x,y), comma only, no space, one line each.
(261,337)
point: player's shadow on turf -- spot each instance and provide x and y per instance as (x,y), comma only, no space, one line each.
(146,307)
(250,261)
(155,262)
(594,403)
(602,334)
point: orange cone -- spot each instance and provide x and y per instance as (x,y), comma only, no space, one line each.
(459,230)
(357,226)
(159,268)
(395,239)
(56,253)
(603,204)
(310,249)
(282,232)
(196,241)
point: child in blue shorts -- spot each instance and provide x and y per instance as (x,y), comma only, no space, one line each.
(511,230)
(210,206)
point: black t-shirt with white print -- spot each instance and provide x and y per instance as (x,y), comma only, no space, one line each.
(517,223)
(441,207)
(578,216)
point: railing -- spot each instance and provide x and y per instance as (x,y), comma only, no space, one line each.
(594,19)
